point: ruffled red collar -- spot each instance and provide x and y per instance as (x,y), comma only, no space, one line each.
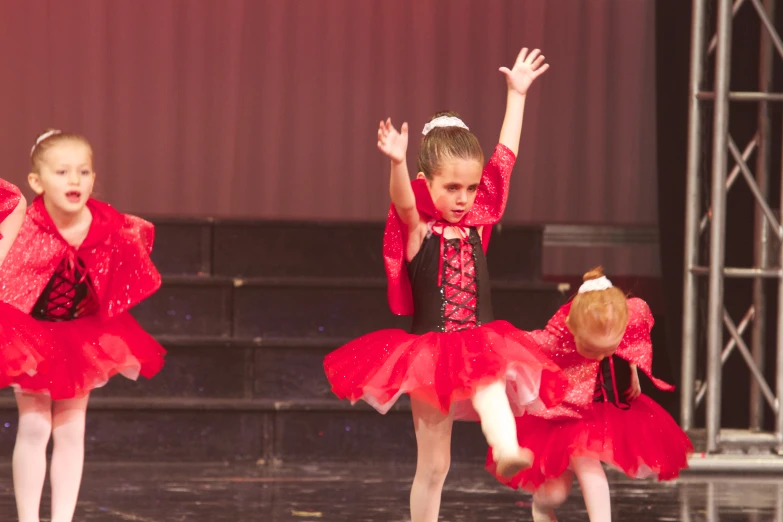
(105,221)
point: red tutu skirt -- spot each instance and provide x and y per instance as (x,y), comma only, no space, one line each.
(642,441)
(18,345)
(84,353)
(445,369)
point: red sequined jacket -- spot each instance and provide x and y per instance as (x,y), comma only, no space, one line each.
(9,199)
(487,210)
(557,341)
(116,254)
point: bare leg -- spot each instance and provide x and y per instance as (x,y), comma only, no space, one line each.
(67,456)
(500,430)
(595,488)
(550,496)
(433,440)
(29,459)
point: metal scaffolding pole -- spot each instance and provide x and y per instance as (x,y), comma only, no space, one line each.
(692,218)
(761,225)
(779,343)
(720,143)
(723,335)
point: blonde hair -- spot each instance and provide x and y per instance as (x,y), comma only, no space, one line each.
(54,137)
(601,313)
(444,143)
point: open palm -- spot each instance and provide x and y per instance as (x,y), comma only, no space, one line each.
(526,69)
(392,143)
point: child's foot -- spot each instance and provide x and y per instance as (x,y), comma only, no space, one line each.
(540,515)
(509,464)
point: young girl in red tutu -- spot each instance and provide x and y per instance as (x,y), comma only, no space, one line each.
(457,362)
(75,269)
(589,338)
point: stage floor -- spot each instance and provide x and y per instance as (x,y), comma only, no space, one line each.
(337,493)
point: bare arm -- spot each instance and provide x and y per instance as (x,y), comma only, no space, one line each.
(395,144)
(511,130)
(635,389)
(526,69)
(9,228)
(402,194)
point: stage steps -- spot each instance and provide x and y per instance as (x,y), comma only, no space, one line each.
(247,311)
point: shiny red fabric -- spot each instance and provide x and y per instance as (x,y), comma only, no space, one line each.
(81,354)
(19,345)
(18,352)
(116,254)
(444,369)
(9,199)
(459,290)
(642,440)
(557,342)
(486,211)
(63,302)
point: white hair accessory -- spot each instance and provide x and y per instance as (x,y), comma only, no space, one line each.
(42,137)
(444,121)
(594,285)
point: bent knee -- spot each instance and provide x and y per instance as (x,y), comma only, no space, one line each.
(553,493)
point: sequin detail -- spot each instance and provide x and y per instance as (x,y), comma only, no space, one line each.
(69,294)
(19,343)
(455,347)
(459,286)
(557,342)
(83,294)
(444,369)
(85,353)
(115,254)
(642,441)
(9,199)
(639,438)
(487,209)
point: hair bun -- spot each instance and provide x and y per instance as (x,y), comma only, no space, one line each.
(595,273)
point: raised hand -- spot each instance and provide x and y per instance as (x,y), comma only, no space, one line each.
(392,143)
(526,69)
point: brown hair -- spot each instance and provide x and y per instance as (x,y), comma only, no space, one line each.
(39,149)
(599,312)
(443,143)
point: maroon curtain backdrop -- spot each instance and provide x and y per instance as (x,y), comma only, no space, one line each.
(269,108)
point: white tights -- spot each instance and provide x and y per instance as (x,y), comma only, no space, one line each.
(39,419)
